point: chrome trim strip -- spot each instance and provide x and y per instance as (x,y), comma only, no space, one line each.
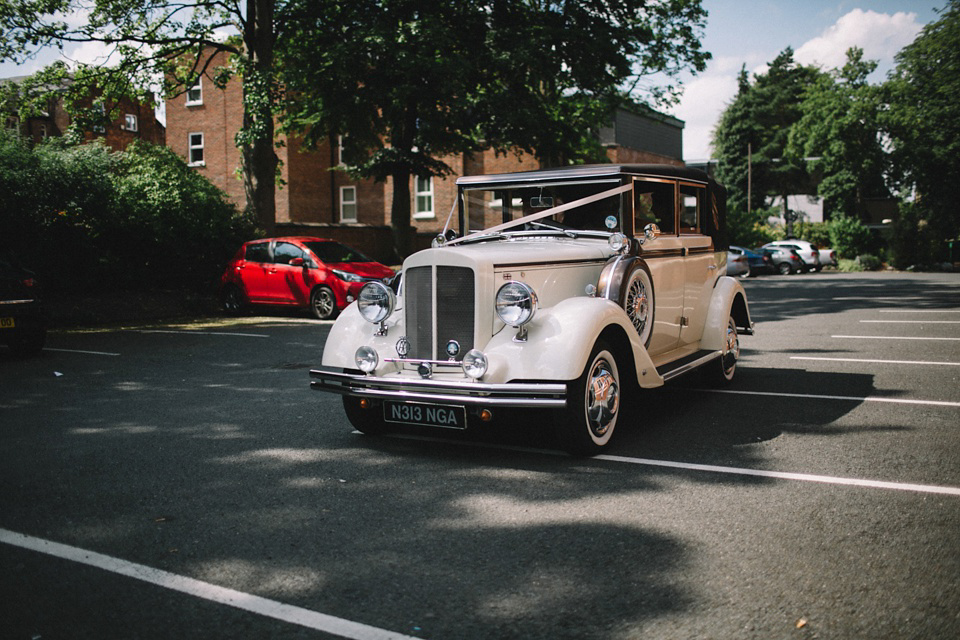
(669,375)
(521,394)
(27,301)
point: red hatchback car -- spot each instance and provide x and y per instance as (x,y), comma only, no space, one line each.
(316,273)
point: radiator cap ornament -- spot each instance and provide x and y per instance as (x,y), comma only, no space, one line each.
(453,349)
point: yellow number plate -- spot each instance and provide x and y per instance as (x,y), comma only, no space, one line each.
(7,323)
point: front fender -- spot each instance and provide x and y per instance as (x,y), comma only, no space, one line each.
(351,331)
(560,339)
(728,299)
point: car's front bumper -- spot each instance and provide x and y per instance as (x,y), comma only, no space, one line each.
(474,394)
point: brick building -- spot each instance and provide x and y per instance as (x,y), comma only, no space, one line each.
(315,200)
(132,121)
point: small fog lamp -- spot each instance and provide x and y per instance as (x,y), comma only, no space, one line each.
(367,359)
(617,241)
(474,364)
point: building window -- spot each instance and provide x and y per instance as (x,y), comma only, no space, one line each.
(348,204)
(423,191)
(196,149)
(340,162)
(102,117)
(130,122)
(195,94)
(43,131)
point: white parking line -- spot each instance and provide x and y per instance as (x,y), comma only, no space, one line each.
(911,321)
(206,333)
(205,590)
(96,353)
(687,466)
(812,396)
(942,364)
(803,477)
(890,338)
(919,310)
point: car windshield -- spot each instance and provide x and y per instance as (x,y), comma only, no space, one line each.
(329,251)
(490,207)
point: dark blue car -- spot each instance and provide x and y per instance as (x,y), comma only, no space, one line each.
(758,262)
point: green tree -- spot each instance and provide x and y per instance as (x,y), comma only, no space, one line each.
(840,128)
(413,82)
(923,124)
(153,41)
(761,116)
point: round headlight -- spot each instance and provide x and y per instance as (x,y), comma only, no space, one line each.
(376,302)
(366,359)
(474,364)
(516,303)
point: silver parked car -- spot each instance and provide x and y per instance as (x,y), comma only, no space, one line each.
(807,251)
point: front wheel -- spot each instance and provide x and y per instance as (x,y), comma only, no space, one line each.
(593,405)
(323,304)
(784,268)
(637,300)
(723,373)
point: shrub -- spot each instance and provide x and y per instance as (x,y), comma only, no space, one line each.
(172,223)
(868,262)
(84,217)
(849,237)
(817,233)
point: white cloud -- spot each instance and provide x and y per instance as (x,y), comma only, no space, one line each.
(704,99)
(89,53)
(880,35)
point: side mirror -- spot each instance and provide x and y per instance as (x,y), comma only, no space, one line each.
(298,262)
(650,232)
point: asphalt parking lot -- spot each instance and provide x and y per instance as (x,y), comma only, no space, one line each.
(185,482)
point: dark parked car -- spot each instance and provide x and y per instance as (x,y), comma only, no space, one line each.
(757,262)
(23,321)
(316,273)
(785,261)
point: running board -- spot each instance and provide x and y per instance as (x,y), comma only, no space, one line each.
(688,363)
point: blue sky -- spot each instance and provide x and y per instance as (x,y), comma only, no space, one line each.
(738,32)
(820,32)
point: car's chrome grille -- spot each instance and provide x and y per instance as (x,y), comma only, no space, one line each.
(455,310)
(418,302)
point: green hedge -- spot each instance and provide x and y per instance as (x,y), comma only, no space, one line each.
(84,217)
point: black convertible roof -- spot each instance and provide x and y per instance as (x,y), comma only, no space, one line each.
(586,171)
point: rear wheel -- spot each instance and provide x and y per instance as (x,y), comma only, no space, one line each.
(593,405)
(368,420)
(323,304)
(233,301)
(784,268)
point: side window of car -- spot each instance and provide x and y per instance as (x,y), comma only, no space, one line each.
(654,202)
(259,252)
(284,252)
(691,200)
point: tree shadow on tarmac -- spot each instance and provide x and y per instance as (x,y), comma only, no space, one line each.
(823,293)
(272,493)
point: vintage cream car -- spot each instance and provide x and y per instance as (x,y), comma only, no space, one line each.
(563,290)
